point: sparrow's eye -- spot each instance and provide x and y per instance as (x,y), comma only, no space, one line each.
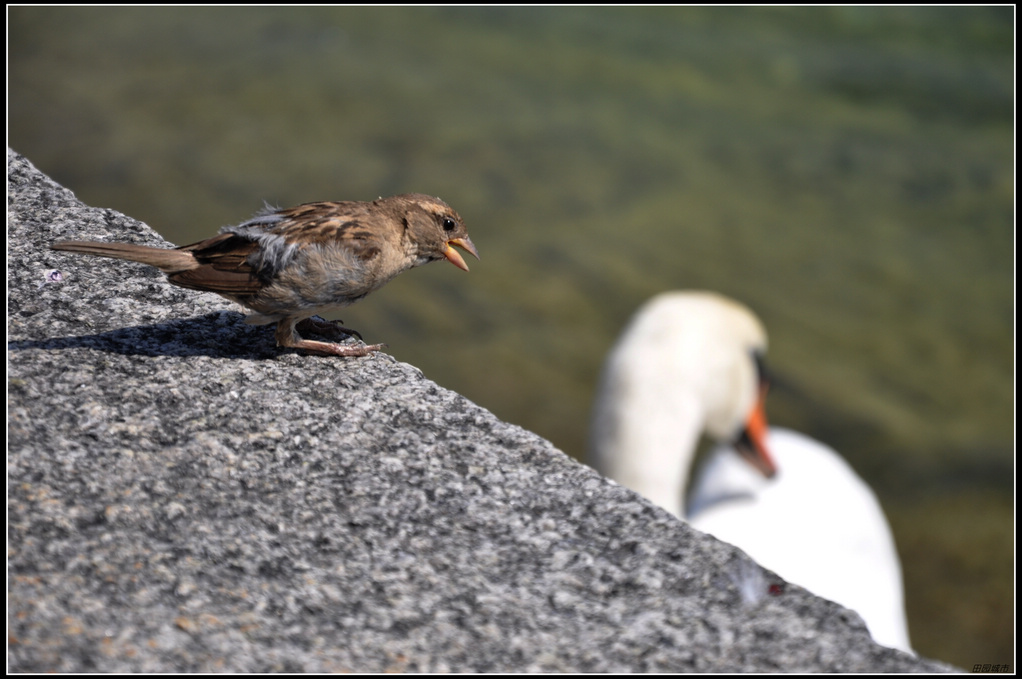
(449,224)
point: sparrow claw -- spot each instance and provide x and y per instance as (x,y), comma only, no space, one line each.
(332,329)
(331,349)
(287,336)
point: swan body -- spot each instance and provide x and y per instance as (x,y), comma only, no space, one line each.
(686,365)
(816,523)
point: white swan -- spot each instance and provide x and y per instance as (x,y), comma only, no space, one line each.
(686,364)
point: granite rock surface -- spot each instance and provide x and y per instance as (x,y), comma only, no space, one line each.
(183,496)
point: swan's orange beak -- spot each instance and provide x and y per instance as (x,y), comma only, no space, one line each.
(454,257)
(751,442)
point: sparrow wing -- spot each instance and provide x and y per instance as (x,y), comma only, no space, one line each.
(223,266)
(346,224)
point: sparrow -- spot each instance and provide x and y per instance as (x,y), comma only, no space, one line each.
(288,265)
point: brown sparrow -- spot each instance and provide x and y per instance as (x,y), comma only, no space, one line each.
(290,264)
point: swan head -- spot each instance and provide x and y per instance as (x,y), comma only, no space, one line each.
(717,347)
(686,364)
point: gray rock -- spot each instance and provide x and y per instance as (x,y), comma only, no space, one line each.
(183,497)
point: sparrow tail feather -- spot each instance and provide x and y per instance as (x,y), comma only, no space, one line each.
(168,261)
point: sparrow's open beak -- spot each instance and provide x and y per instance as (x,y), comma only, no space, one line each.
(751,443)
(454,257)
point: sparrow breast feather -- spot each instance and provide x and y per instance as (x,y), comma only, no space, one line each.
(288,265)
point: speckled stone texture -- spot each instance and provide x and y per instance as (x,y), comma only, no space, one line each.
(185,497)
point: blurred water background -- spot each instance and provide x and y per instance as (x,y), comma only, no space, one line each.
(846,172)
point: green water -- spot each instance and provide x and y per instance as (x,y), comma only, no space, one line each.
(846,172)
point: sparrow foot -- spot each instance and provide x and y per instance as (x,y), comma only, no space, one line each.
(287,335)
(331,349)
(321,326)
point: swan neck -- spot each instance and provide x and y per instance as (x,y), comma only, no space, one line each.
(651,450)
